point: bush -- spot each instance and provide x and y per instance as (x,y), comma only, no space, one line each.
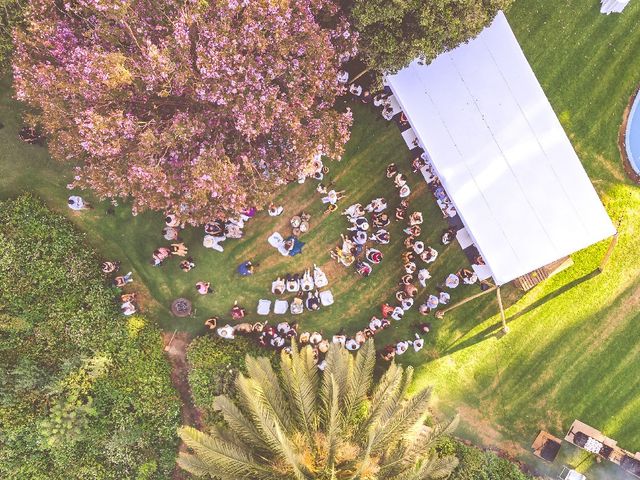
(476,464)
(86,393)
(215,363)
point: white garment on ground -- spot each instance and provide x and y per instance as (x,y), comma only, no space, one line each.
(210,241)
(76,202)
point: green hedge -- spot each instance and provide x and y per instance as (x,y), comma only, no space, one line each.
(215,363)
(86,392)
(477,464)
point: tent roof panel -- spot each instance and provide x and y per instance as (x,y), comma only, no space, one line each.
(502,154)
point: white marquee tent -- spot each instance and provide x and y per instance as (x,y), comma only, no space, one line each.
(501,154)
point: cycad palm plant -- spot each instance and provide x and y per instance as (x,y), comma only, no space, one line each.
(305,424)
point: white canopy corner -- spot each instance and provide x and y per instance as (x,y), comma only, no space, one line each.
(501,154)
(613,6)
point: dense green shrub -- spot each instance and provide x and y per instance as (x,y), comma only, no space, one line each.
(215,363)
(476,464)
(10,16)
(84,392)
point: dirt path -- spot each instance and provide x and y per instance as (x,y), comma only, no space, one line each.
(176,351)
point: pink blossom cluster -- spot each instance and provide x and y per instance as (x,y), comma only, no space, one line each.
(199,107)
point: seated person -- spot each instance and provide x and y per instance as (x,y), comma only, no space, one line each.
(418,247)
(452,281)
(275,210)
(405,191)
(407,303)
(293,283)
(277,341)
(359,223)
(203,288)
(179,249)
(283,328)
(351,344)
(373,255)
(410,267)
(423,276)
(237,312)
(380,220)
(415,218)
(339,338)
(376,205)
(414,230)
(432,303)
(469,277)
(381,236)
(171,220)
(160,255)
(246,268)
(128,308)
(226,332)
(429,255)
(215,229)
(375,324)
(366,96)
(397,313)
(406,279)
(319,277)
(408,257)
(187,265)
(411,290)
(297,306)
(243,328)
(400,180)
(170,233)
(401,347)
(110,267)
(392,170)
(355,89)
(444,298)
(409,242)
(323,346)
(278,286)
(360,337)
(122,280)
(386,310)
(211,323)
(315,338)
(359,237)
(418,343)
(363,268)
(354,211)
(417,164)
(313,301)
(448,236)
(303,338)
(388,353)
(343,76)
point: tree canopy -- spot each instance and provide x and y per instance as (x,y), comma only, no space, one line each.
(199,107)
(301,423)
(393,33)
(84,393)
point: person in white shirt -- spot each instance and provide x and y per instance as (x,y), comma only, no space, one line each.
(407,303)
(418,343)
(76,203)
(341,339)
(355,89)
(397,313)
(352,344)
(226,332)
(444,298)
(452,281)
(275,210)
(423,276)
(401,347)
(343,76)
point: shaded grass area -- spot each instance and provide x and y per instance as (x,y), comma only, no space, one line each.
(574,342)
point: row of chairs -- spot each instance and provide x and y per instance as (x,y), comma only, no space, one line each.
(280,307)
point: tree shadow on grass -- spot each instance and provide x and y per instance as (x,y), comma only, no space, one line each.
(495,330)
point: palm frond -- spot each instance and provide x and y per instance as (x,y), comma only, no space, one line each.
(333,423)
(360,378)
(338,366)
(300,379)
(386,395)
(433,468)
(238,423)
(401,420)
(221,458)
(262,373)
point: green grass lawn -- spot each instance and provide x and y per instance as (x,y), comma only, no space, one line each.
(573,350)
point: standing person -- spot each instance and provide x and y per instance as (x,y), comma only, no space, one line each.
(75,202)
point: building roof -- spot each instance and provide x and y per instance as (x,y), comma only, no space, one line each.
(501,153)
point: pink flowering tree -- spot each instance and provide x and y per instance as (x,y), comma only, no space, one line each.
(201,107)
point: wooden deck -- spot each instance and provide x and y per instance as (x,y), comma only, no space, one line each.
(530,280)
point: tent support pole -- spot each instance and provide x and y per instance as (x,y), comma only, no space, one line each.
(607,255)
(441,313)
(505,327)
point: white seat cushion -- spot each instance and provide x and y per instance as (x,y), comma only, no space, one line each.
(263,307)
(326,298)
(280,307)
